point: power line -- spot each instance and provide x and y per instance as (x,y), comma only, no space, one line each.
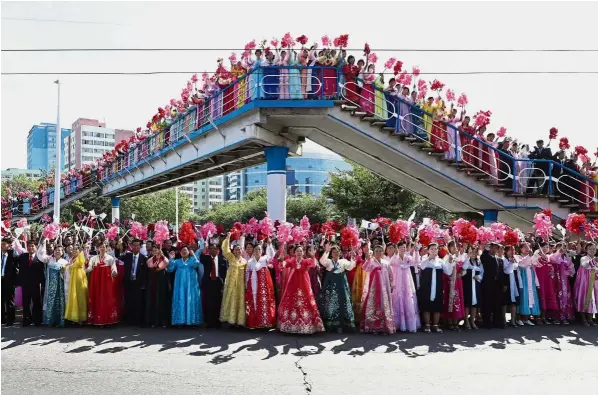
(237,49)
(62,21)
(213,72)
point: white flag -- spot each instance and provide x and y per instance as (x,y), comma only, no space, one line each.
(92,213)
(19,232)
(369,225)
(102,216)
(133,216)
(561,229)
(411,218)
(351,221)
(87,230)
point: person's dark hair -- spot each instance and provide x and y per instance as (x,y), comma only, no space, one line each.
(136,241)
(350,57)
(542,244)
(31,243)
(401,243)
(588,245)
(451,243)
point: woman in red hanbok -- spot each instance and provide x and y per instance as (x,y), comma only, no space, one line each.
(368,98)
(104,295)
(438,137)
(225,78)
(468,153)
(329,61)
(454,301)
(260,305)
(298,311)
(351,71)
(377,313)
(545,273)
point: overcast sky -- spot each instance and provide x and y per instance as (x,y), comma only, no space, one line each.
(527,105)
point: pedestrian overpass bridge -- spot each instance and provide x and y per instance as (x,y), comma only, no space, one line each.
(215,138)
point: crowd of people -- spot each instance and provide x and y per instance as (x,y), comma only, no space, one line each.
(27,202)
(304,279)
(276,69)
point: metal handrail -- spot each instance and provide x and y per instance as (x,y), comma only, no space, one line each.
(391,114)
(592,196)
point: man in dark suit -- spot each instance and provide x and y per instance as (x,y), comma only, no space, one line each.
(493,286)
(212,284)
(541,168)
(134,283)
(560,188)
(10,271)
(575,182)
(31,279)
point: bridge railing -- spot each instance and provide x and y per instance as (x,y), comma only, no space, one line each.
(23,207)
(322,83)
(263,83)
(522,175)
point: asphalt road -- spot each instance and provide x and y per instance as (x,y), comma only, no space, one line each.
(539,360)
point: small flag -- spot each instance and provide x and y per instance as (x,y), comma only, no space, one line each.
(369,225)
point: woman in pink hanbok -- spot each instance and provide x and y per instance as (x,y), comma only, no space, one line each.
(545,273)
(367,98)
(377,313)
(454,301)
(489,162)
(563,269)
(404,294)
(586,286)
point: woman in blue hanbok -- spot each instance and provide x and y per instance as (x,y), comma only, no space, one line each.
(255,78)
(186,297)
(390,94)
(54,303)
(271,80)
(295,91)
(529,303)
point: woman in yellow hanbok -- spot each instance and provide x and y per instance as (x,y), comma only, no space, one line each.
(357,281)
(240,87)
(380,99)
(76,304)
(233,300)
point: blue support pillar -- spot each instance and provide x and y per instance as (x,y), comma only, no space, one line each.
(490,217)
(276,165)
(115,209)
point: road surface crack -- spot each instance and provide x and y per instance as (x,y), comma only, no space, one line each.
(306,384)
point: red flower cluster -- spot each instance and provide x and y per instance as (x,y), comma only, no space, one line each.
(236,231)
(511,238)
(575,223)
(329,228)
(187,233)
(315,227)
(424,239)
(398,67)
(580,150)
(366,49)
(564,143)
(302,39)
(547,212)
(350,237)
(341,41)
(436,85)
(553,133)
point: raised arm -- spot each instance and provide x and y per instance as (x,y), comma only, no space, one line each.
(17,247)
(226,250)
(41,252)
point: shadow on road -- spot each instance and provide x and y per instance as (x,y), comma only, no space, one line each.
(224,344)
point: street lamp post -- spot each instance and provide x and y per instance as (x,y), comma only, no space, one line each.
(57,171)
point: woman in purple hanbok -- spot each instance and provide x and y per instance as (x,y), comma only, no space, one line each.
(586,286)
(377,316)
(563,269)
(404,295)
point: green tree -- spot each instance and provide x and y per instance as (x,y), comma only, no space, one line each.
(361,194)
(18,184)
(147,208)
(255,205)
